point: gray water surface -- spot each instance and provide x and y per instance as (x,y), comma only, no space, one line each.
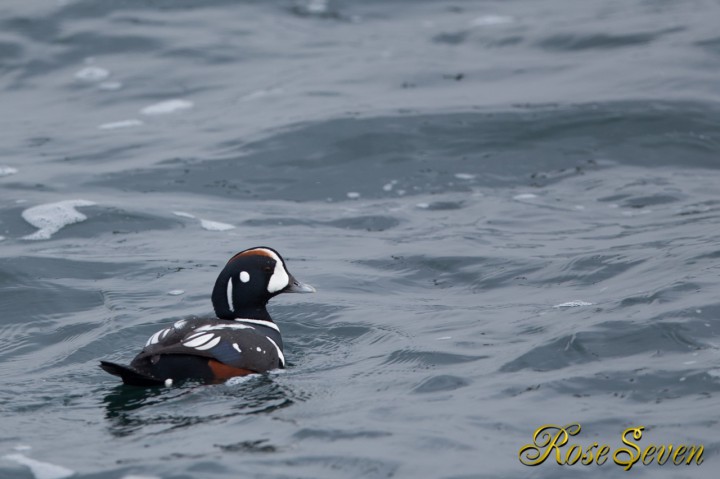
(510,211)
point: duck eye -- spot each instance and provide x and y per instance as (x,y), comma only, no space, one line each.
(267,269)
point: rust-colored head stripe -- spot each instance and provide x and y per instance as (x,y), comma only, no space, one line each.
(252,252)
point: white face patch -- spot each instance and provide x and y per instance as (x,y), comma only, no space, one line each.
(244,276)
(229,294)
(280,277)
(237,348)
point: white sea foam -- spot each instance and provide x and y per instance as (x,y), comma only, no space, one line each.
(41,470)
(52,217)
(176,292)
(524,196)
(121,124)
(168,106)
(488,20)
(110,85)
(215,225)
(182,214)
(135,476)
(573,304)
(92,74)
(7,170)
(234,381)
(464,176)
(353,195)
(2,238)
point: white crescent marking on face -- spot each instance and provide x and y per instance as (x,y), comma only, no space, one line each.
(179,324)
(209,345)
(198,340)
(230,294)
(280,277)
(244,276)
(280,353)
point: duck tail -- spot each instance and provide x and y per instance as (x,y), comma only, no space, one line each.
(129,375)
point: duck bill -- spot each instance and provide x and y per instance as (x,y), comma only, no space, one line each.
(296,286)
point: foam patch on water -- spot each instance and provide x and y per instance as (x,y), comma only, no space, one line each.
(389,186)
(182,214)
(52,217)
(573,304)
(215,225)
(176,292)
(464,176)
(240,379)
(488,20)
(7,170)
(166,107)
(41,470)
(92,74)
(524,196)
(353,195)
(2,238)
(110,85)
(121,124)
(135,476)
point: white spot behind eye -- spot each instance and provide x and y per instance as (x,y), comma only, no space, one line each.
(244,276)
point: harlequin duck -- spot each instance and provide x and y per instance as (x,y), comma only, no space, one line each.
(242,340)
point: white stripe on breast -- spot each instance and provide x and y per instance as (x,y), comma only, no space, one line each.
(261,322)
(280,353)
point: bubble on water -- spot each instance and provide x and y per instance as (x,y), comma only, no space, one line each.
(121,124)
(215,225)
(41,470)
(524,196)
(573,304)
(353,195)
(7,171)
(176,292)
(52,217)
(166,107)
(92,74)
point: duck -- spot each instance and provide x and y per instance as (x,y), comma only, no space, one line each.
(242,340)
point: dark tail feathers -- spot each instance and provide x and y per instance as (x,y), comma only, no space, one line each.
(129,375)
